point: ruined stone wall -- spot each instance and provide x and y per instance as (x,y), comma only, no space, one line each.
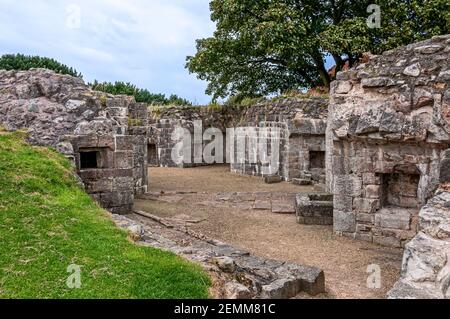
(298,125)
(389,128)
(104,135)
(426,262)
(300,122)
(164,121)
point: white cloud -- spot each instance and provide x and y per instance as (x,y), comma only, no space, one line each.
(141,41)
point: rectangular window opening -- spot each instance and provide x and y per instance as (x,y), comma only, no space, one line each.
(89,160)
(316,159)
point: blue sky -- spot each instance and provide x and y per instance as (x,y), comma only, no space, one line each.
(141,41)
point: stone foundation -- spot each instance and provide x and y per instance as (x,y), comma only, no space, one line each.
(246,276)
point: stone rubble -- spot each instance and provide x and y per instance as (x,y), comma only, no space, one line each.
(426,262)
(246,276)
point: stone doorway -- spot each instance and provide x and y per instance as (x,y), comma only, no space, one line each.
(152,157)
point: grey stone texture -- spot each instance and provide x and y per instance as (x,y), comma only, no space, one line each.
(104,135)
(387,142)
(426,261)
(314,209)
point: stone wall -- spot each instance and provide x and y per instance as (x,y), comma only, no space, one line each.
(388,133)
(104,135)
(162,134)
(297,123)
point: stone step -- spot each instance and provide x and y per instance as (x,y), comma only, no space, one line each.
(301,182)
(273,179)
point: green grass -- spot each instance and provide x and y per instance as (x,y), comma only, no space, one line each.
(47,223)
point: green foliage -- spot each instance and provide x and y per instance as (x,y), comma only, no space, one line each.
(24,62)
(271,46)
(141,95)
(48,223)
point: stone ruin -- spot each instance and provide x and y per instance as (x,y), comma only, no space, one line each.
(299,124)
(389,129)
(104,135)
(388,140)
(383,145)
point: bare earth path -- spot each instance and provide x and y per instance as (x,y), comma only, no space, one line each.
(267,234)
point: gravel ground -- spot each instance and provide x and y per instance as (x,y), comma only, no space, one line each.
(270,235)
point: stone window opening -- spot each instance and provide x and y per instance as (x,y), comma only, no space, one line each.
(400,190)
(92,159)
(317,159)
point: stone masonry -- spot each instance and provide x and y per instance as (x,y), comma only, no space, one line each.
(389,129)
(426,262)
(104,135)
(297,125)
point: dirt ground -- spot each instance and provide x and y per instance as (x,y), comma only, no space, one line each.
(263,233)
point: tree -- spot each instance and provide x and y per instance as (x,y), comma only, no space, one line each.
(141,95)
(25,62)
(271,46)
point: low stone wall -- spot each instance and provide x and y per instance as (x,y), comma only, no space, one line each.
(314,209)
(389,130)
(104,135)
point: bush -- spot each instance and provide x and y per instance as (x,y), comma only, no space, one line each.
(25,62)
(141,95)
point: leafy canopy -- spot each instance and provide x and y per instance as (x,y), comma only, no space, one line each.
(25,62)
(141,95)
(271,46)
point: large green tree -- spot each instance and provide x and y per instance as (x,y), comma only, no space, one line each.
(270,46)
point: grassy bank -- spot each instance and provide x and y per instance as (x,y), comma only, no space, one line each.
(47,223)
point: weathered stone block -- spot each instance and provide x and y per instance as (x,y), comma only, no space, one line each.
(372,191)
(123,160)
(371,179)
(365,218)
(365,205)
(273,179)
(344,221)
(343,202)
(395,219)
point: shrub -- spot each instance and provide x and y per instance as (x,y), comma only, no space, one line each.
(25,62)
(141,95)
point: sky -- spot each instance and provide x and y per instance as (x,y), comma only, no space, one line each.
(140,41)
